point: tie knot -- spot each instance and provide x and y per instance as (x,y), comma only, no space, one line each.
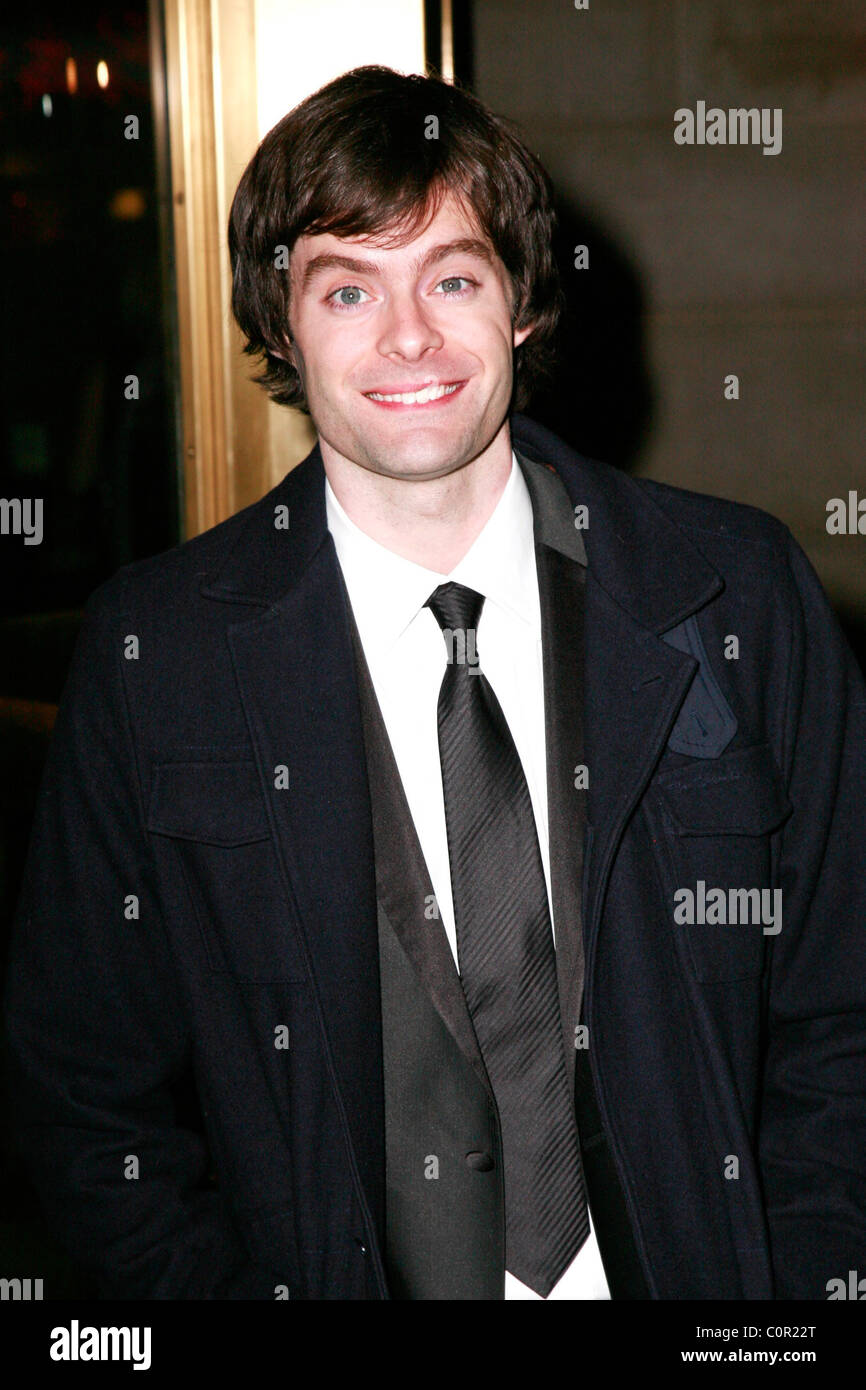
(455,607)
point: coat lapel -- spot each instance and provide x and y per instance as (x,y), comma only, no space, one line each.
(643,577)
(560,583)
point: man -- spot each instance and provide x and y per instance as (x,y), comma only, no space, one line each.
(477,825)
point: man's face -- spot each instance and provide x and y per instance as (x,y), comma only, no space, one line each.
(434,316)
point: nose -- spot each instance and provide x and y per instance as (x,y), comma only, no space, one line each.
(407,331)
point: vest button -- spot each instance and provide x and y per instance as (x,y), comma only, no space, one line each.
(480,1162)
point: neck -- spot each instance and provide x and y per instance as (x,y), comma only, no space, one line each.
(432,521)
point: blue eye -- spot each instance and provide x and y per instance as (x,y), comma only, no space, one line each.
(453,280)
(348,290)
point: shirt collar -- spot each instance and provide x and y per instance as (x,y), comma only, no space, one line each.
(387,590)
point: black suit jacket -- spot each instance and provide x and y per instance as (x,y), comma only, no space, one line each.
(200,896)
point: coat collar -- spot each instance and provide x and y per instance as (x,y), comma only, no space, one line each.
(637,554)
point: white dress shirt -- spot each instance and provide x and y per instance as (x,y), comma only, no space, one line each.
(407,656)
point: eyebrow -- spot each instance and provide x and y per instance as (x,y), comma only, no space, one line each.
(331,260)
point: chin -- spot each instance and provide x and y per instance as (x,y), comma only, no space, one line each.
(427,450)
(453,449)
(436,466)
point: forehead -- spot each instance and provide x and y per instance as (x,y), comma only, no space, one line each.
(451,223)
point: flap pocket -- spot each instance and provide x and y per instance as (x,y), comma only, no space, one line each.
(217,803)
(740,793)
(713,822)
(216,818)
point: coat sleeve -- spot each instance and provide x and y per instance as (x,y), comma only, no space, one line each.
(813,1122)
(95,1031)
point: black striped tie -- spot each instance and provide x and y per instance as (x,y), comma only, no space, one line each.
(506,956)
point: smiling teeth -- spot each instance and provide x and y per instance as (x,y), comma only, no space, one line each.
(430,393)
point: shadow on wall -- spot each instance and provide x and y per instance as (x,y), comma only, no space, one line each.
(599,398)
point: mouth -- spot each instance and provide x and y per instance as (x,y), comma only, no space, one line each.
(434,393)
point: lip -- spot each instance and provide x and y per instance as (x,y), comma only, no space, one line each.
(416,405)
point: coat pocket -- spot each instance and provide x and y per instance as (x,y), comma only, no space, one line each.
(215,815)
(713,827)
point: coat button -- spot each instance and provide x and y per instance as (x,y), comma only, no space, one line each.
(481,1162)
(360,1244)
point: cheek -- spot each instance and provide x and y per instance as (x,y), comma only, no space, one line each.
(489,339)
(500,330)
(336,355)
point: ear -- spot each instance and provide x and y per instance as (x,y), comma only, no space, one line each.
(285,352)
(521,334)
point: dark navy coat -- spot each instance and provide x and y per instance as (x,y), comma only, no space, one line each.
(183,907)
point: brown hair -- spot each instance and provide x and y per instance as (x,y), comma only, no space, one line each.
(354,159)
